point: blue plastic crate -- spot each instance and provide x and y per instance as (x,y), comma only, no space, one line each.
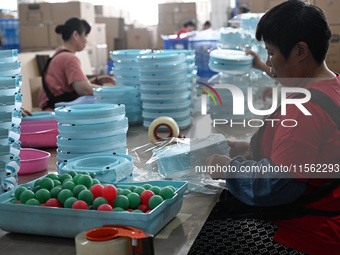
(176,44)
(66,222)
(10,32)
(202,54)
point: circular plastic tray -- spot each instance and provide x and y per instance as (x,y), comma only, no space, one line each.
(10,68)
(165,67)
(159,57)
(96,130)
(166,105)
(89,113)
(174,114)
(160,97)
(128,54)
(8,55)
(64,156)
(178,87)
(117,91)
(33,160)
(104,167)
(46,115)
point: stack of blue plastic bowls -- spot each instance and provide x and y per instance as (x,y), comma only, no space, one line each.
(165,87)
(10,119)
(129,96)
(233,66)
(126,73)
(90,128)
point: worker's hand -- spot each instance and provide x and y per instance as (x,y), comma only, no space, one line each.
(217,160)
(104,79)
(25,113)
(217,164)
(238,148)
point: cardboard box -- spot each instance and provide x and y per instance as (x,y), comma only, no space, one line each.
(188,7)
(331,9)
(39,13)
(97,34)
(64,11)
(169,8)
(34,36)
(167,29)
(114,26)
(35,85)
(333,55)
(98,58)
(165,18)
(55,39)
(107,11)
(141,38)
(181,17)
(260,6)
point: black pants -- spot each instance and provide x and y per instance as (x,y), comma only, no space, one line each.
(238,236)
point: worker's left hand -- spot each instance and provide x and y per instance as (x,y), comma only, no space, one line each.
(104,79)
(217,163)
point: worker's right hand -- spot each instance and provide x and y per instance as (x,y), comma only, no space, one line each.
(238,148)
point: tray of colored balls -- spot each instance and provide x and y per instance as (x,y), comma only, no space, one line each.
(67,204)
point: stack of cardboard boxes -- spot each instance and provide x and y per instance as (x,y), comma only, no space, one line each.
(331,9)
(37,23)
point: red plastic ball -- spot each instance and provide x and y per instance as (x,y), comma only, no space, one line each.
(105,207)
(80,204)
(129,210)
(109,192)
(145,196)
(143,207)
(148,211)
(97,190)
(53,202)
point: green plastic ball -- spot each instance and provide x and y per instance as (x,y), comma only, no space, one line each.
(69,202)
(155,189)
(26,195)
(147,186)
(32,201)
(125,192)
(42,195)
(121,201)
(85,180)
(139,190)
(18,192)
(134,200)
(77,189)
(36,188)
(64,194)
(57,183)
(75,179)
(68,184)
(137,211)
(95,181)
(72,173)
(99,201)
(154,201)
(166,193)
(52,176)
(86,196)
(55,191)
(65,177)
(132,187)
(37,182)
(118,209)
(46,183)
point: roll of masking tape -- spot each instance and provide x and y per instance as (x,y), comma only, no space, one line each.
(120,245)
(166,122)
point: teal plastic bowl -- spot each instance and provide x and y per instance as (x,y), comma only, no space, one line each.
(10,68)
(104,167)
(96,130)
(89,113)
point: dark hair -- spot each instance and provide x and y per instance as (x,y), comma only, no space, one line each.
(189,24)
(293,21)
(244,8)
(73,24)
(207,23)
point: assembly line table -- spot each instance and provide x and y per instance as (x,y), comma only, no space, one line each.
(175,238)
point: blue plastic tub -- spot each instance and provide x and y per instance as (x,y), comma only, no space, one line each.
(64,222)
(177,44)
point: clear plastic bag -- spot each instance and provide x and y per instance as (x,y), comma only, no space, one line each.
(180,159)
